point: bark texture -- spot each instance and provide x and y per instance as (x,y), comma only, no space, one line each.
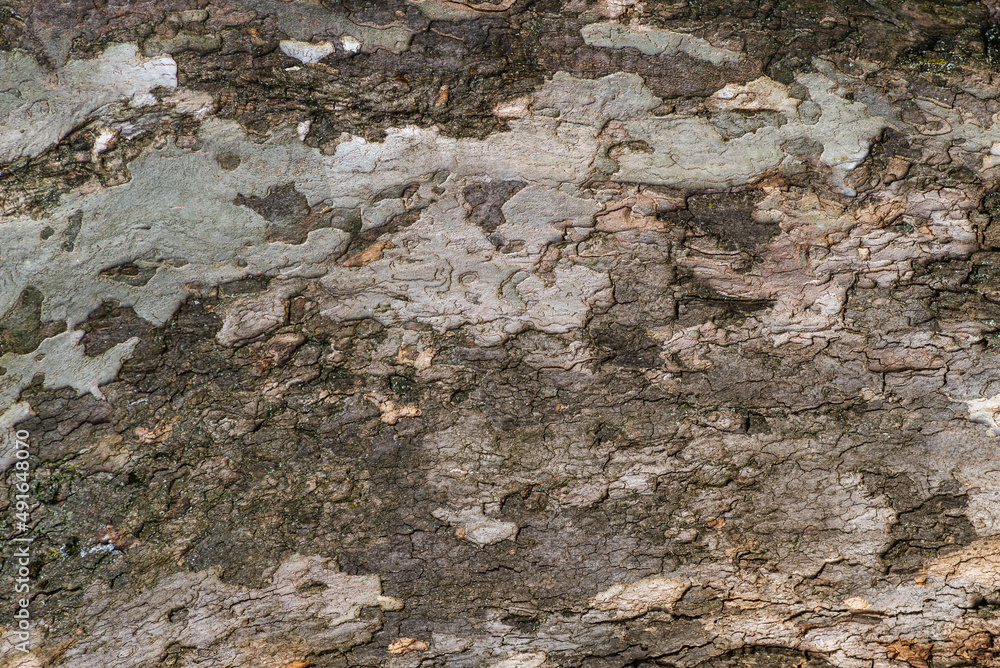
(514,334)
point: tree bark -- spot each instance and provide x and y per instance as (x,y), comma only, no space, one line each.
(514,334)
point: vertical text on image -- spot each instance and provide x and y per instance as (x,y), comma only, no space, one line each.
(22,542)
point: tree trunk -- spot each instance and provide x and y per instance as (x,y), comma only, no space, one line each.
(518,334)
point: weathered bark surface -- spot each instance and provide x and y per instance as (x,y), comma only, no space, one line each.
(521,334)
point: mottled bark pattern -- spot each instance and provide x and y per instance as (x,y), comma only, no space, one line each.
(583,333)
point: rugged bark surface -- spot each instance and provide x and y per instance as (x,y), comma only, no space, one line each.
(512,334)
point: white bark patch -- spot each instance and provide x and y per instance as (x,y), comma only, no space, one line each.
(105,139)
(350,44)
(985,411)
(626,601)
(476,527)
(64,364)
(689,152)
(654,41)
(38,108)
(763,94)
(307,52)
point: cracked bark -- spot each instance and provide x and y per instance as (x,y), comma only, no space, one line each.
(521,334)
